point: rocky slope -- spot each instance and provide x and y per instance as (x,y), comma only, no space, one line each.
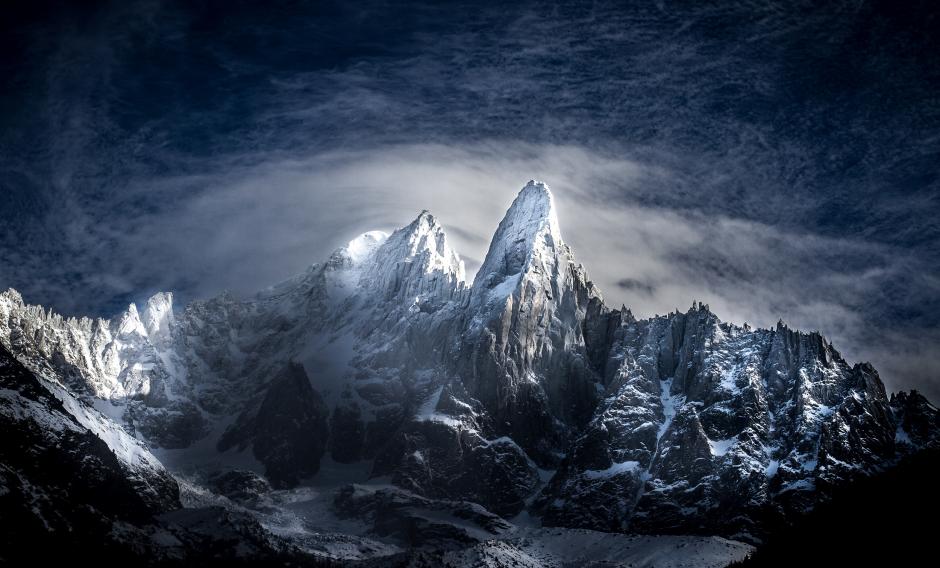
(288,431)
(72,480)
(519,392)
(56,451)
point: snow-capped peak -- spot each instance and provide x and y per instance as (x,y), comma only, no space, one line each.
(529,226)
(426,237)
(536,204)
(417,260)
(531,373)
(347,265)
(357,252)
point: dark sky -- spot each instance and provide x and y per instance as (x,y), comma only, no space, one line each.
(774,159)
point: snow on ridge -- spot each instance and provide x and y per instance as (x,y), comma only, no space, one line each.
(670,403)
(504,288)
(422,241)
(721,447)
(614,470)
(127,449)
(428,411)
(529,226)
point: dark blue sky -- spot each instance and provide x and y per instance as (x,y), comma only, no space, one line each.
(775,159)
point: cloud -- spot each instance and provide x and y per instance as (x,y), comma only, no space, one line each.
(632,284)
(257,225)
(741,166)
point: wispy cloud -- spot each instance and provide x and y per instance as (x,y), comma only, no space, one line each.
(728,154)
(257,225)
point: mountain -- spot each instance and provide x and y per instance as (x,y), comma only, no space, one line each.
(519,397)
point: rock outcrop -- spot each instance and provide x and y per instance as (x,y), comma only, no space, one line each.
(287,432)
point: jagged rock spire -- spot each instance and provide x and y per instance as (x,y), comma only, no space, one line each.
(524,348)
(529,226)
(416,263)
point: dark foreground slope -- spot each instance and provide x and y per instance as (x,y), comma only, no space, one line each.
(890,519)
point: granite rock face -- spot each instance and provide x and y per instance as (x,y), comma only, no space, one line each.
(918,421)
(446,457)
(288,431)
(523,352)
